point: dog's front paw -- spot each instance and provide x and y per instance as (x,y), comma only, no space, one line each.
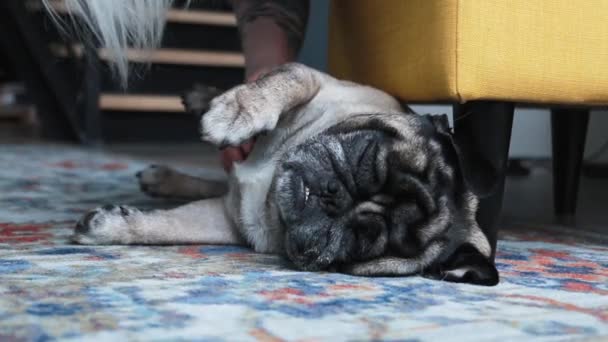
(105,225)
(238,115)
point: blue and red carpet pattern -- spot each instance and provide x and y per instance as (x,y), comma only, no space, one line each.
(553,287)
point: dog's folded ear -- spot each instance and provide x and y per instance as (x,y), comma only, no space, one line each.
(466,265)
(197,100)
(479,176)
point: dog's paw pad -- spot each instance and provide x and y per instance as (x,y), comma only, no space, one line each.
(104,225)
(238,115)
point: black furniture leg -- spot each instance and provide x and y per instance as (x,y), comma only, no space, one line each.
(486,126)
(569,133)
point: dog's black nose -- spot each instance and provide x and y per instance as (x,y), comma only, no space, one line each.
(367,232)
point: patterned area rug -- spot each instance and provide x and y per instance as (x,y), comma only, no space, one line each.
(553,288)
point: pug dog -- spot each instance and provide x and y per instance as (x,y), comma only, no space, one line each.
(342,178)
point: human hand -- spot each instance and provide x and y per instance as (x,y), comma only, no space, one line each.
(272,33)
(231,155)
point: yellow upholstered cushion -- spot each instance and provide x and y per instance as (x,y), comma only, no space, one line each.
(540,51)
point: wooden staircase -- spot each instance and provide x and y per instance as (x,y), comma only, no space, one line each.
(200,45)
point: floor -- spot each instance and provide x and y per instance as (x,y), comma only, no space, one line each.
(554,286)
(529,199)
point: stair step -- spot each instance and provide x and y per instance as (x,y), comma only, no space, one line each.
(164,56)
(177,35)
(173,79)
(201,17)
(141,103)
(174,15)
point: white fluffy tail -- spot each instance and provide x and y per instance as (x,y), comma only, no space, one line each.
(118,24)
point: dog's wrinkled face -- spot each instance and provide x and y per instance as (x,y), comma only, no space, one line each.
(365,190)
(334,207)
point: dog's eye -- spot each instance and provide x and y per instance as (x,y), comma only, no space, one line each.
(332,187)
(306,194)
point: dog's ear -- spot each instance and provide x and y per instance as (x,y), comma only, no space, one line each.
(466,265)
(197,100)
(476,173)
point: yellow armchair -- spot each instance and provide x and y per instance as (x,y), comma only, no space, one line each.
(484,56)
(539,51)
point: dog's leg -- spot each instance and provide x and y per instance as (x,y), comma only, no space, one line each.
(246,110)
(162,181)
(202,222)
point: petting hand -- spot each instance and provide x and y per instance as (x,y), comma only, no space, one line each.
(274,34)
(230,155)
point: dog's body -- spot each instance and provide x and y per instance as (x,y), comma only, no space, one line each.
(249,192)
(343,178)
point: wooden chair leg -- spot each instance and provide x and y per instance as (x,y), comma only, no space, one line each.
(569,133)
(487,126)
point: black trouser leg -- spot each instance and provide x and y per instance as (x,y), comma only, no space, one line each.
(569,133)
(23,41)
(90,107)
(486,126)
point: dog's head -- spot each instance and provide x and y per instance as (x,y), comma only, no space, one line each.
(385,185)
